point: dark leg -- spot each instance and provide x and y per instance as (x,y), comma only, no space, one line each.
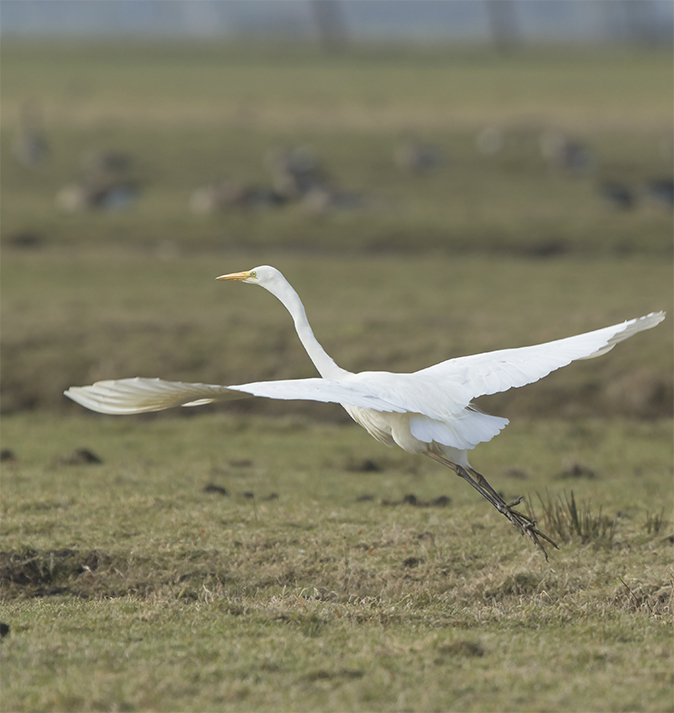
(524,524)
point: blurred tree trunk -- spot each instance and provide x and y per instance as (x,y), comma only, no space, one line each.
(330,23)
(641,20)
(505,30)
(633,21)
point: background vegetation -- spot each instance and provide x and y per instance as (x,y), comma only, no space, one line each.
(265,556)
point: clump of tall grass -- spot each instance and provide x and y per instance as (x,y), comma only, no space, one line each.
(565,519)
(655,522)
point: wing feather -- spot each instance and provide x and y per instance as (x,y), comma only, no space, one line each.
(492,372)
(140,395)
(464,431)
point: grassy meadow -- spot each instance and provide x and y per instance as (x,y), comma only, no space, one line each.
(264,556)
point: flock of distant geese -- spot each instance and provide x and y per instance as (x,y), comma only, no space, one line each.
(298,176)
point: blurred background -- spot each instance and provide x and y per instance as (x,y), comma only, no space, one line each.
(339,21)
(435,178)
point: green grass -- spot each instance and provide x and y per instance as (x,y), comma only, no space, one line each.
(129,587)
(191,116)
(512,203)
(288,87)
(315,583)
(75,316)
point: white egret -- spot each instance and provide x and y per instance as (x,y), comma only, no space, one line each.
(428,411)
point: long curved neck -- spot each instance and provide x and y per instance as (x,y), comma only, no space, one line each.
(322,361)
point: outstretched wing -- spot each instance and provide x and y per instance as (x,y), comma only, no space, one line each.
(439,392)
(139,395)
(492,372)
(127,396)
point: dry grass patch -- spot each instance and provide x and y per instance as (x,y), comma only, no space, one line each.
(564,519)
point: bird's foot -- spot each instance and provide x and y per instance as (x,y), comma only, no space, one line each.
(523,523)
(526,526)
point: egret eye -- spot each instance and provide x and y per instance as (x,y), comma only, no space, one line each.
(253,274)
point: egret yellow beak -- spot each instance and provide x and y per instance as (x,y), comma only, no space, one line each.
(239,276)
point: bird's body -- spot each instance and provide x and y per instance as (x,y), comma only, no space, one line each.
(427,411)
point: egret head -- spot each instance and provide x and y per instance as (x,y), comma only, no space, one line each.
(265,276)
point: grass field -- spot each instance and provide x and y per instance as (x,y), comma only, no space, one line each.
(191,116)
(266,556)
(128,587)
